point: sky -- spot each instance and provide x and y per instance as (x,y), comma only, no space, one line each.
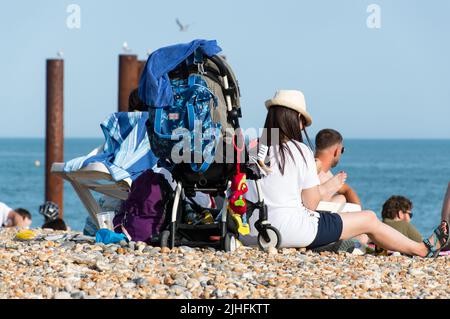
(386,82)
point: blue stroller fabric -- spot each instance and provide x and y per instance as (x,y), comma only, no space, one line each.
(126,152)
(107,236)
(154,86)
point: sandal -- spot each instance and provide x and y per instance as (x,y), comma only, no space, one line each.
(440,236)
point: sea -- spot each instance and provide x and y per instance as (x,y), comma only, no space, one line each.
(377,169)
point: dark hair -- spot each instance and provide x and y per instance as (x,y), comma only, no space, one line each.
(135,103)
(287,122)
(327,138)
(394,204)
(56,224)
(23,213)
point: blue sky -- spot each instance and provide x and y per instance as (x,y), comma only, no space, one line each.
(392,82)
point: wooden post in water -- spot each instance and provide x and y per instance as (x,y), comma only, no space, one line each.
(141,66)
(54,134)
(128,79)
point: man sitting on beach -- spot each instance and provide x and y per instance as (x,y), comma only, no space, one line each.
(14,218)
(329,148)
(397,214)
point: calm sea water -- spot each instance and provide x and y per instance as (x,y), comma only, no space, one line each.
(377,169)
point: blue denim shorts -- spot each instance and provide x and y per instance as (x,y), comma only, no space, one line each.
(329,230)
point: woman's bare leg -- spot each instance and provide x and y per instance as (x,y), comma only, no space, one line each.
(366,222)
(446,206)
(338,199)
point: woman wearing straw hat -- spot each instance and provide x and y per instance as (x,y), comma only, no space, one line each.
(292,195)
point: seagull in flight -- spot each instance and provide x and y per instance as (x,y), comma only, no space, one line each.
(125,47)
(183,27)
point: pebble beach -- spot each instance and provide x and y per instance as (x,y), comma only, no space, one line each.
(65,269)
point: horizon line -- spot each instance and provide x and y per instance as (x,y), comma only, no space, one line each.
(346,138)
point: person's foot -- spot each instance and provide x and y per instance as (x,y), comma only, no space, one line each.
(339,180)
(438,241)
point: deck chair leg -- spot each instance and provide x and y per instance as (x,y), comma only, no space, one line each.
(88,200)
(173,220)
(224,214)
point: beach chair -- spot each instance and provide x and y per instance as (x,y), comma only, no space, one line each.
(331,207)
(111,168)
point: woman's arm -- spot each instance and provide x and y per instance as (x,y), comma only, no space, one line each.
(311,197)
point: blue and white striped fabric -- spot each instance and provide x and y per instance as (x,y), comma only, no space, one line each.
(126,152)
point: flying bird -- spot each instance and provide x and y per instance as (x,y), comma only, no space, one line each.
(125,47)
(183,27)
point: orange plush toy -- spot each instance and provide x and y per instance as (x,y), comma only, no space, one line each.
(238,189)
(237,203)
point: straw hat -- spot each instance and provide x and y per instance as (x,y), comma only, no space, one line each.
(291,99)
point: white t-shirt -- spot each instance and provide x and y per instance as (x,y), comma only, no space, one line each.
(4,211)
(282,195)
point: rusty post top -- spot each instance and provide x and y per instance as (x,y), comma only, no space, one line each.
(55,60)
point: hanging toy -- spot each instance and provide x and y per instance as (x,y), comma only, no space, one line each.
(237,203)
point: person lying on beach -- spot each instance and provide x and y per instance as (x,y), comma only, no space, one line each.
(397,214)
(14,217)
(292,195)
(329,148)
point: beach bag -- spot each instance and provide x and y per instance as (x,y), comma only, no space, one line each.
(199,111)
(143,214)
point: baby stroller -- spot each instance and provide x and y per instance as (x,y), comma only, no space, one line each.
(204,89)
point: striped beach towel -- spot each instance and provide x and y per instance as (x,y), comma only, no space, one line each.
(126,151)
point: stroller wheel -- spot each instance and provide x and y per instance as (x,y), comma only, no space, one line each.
(229,242)
(164,238)
(274,237)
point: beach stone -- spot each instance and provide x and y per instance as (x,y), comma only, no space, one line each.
(154,250)
(272,251)
(165,250)
(178,290)
(132,245)
(84,260)
(129,285)
(192,284)
(140,246)
(141,282)
(218,293)
(77,295)
(186,249)
(180,282)
(103,266)
(62,295)
(123,243)
(416,272)
(316,293)
(68,245)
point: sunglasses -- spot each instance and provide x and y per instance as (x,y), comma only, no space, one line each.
(343,150)
(409,213)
